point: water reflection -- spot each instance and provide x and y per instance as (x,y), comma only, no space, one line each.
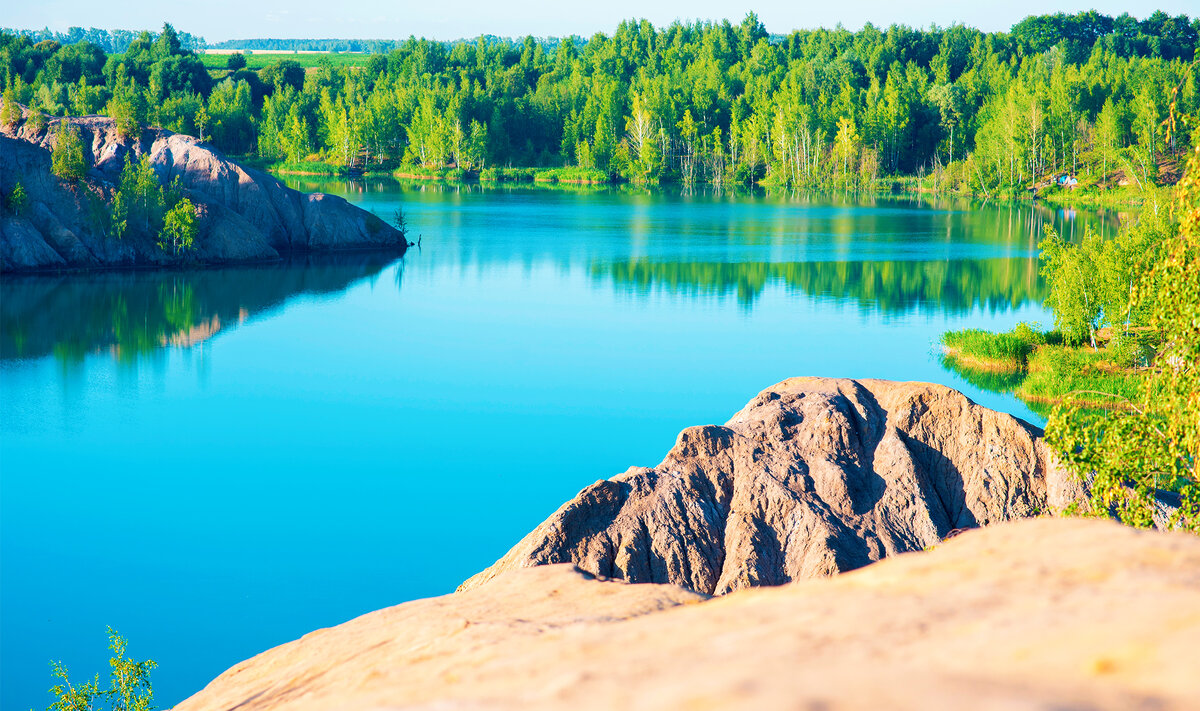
(291,444)
(131,314)
(890,287)
(1005,219)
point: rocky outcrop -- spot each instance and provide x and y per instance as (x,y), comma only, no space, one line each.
(245,215)
(1050,613)
(813,477)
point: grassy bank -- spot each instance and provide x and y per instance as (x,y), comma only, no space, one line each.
(308,60)
(575,176)
(1042,370)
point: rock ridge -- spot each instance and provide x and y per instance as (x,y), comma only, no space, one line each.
(815,476)
(244,215)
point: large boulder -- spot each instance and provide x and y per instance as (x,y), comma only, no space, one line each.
(1049,613)
(813,477)
(245,215)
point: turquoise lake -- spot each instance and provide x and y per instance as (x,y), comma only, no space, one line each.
(217,461)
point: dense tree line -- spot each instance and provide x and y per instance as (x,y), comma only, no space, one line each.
(372,46)
(712,102)
(110,41)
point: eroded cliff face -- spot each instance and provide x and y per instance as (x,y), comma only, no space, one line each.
(245,215)
(1048,613)
(813,477)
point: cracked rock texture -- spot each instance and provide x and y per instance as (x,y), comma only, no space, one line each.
(244,215)
(813,477)
(1047,613)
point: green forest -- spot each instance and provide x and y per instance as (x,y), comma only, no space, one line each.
(1087,96)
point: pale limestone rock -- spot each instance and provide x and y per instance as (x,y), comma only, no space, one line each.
(1047,613)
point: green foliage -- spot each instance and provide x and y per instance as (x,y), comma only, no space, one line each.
(179,230)
(143,208)
(231,113)
(1074,275)
(400,222)
(1050,373)
(507,174)
(36,122)
(127,107)
(66,158)
(1090,377)
(17,199)
(283,73)
(129,684)
(1154,443)
(10,114)
(236,61)
(959,109)
(138,204)
(261,62)
(1004,350)
(1092,283)
(180,113)
(571,175)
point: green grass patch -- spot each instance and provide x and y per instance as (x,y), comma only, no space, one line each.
(516,175)
(416,172)
(1040,370)
(984,350)
(1091,378)
(310,60)
(573,174)
(1093,196)
(306,167)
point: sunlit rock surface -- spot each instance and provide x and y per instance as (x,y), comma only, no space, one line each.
(1048,613)
(813,477)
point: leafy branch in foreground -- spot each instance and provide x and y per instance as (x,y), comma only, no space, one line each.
(129,684)
(1155,443)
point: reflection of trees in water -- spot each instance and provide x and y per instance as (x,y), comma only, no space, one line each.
(135,313)
(1014,222)
(952,286)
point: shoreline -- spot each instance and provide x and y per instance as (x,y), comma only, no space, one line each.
(1087,201)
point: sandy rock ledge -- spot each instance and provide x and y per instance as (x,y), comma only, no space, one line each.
(1039,614)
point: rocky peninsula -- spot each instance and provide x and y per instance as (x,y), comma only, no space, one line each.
(243,215)
(969,608)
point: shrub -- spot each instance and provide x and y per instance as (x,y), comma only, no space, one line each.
(139,201)
(17,200)
(236,61)
(400,222)
(36,121)
(129,684)
(1029,333)
(10,115)
(128,109)
(66,158)
(179,230)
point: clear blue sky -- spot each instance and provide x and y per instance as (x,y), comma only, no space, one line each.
(218,20)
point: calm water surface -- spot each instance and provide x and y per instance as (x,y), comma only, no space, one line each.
(218,461)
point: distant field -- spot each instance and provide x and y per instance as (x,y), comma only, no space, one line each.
(216,59)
